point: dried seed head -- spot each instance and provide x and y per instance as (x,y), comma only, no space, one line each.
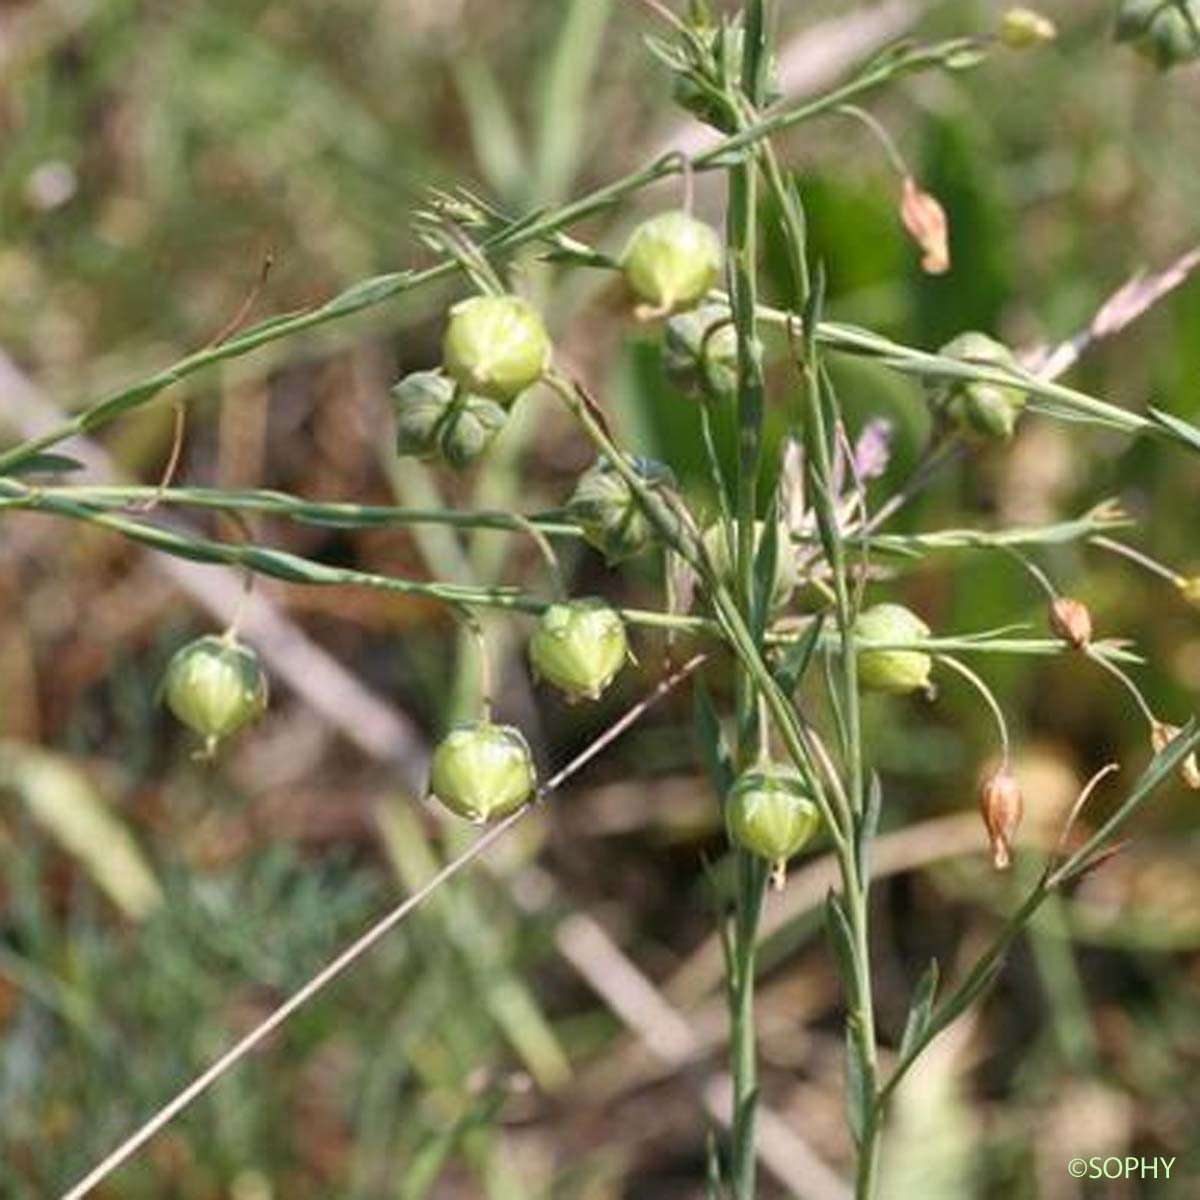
(482,771)
(770,812)
(925,219)
(579,646)
(1161,736)
(1002,807)
(215,686)
(671,261)
(977,406)
(1168,33)
(496,346)
(1022,28)
(1072,621)
(896,671)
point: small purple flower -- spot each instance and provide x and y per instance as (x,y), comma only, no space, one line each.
(873,450)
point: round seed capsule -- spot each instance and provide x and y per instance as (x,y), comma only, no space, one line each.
(894,671)
(496,346)
(482,772)
(671,261)
(770,812)
(215,686)
(579,646)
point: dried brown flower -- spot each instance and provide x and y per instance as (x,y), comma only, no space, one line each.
(925,220)
(1002,807)
(1072,621)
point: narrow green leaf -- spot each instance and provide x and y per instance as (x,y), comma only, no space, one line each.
(920,1010)
(837,927)
(766,563)
(714,1182)
(858,1097)
(796,658)
(868,826)
(966,996)
(45,464)
(717,760)
(1181,428)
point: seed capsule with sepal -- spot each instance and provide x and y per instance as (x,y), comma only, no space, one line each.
(579,646)
(482,771)
(671,262)
(496,346)
(215,686)
(607,511)
(771,813)
(895,671)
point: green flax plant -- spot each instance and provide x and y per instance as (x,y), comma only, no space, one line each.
(786,772)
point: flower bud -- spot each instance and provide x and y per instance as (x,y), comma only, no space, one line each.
(215,686)
(1072,621)
(987,409)
(420,402)
(434,419)
(1002,807)
(1161,736)
(470,428)
(701,350)
(671,261)
(1022,28)
(770,812)
(579,646)
(894,671)
(609,514)
(482,771)
(1165,31)
(496,346)
(787,576)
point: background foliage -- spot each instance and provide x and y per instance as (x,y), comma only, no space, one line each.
(150,156)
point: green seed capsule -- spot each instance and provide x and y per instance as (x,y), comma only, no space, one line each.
(579,646)
(482,772)
(609,514)
(787,576)
(771,813)
(894,671)
(1165,31)
(987,409)
(215,686)
(700,350)
(496,346)
(671,261)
